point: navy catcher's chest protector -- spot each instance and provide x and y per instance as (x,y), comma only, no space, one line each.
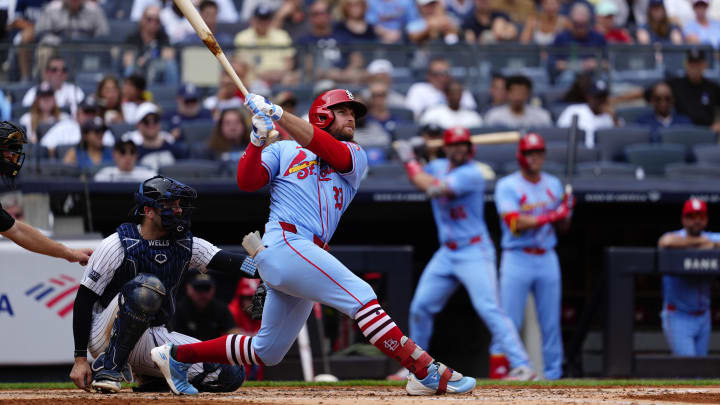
(166,259)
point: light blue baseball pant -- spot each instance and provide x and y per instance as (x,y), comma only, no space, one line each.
(521,273)
(474,268)
(297,273)
(687,334)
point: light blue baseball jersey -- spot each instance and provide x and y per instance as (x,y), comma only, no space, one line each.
(308,192)
(514,193)
(687,293)
(460,217)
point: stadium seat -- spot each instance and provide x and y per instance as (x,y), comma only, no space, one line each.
(553,168)
(496,155)
(402,113)
(162,94)
(391,170)
(630,62)
(54,168)
(673,57)
(606,169)
(555,134)
(119,130)
(192,169)
(611,142)
(630,114)
(196,131)
(490,130)
(406,131)
(692,171)
(654,157)
(689,136)
(707,154)
(121,29)
(557,152)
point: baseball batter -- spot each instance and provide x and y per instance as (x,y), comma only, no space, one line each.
(128,290)
(313,178)
(686,300)
(532,204)
(466,255)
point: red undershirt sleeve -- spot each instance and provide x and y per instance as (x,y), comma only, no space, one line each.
(251,175)
(331,150)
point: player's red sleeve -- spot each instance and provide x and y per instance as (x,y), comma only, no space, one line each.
(331,150)
(511,219)
(251,175)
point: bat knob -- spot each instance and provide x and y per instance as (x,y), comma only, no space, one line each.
(568,189)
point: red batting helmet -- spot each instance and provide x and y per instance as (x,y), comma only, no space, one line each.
(322,116)
(455,135)
(527,143)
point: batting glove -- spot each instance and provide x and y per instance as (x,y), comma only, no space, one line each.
(259,104)
(252,243)
(261,127)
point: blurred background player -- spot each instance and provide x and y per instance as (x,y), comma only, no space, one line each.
(686,299)
(532,205)
(466,255)
(12,140)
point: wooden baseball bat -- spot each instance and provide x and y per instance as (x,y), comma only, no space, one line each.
(193,15)
(492,138)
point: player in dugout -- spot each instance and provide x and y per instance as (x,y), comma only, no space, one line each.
(686,299)
(313,179)
(533,206)
(12,141)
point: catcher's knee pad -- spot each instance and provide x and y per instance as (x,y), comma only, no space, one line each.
(140,300)
(219,378)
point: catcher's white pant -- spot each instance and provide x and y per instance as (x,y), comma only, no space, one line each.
(139,360)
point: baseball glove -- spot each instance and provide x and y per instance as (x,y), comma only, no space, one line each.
(258,302)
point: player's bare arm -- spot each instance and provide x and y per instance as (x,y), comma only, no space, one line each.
(31,239)
(674,241)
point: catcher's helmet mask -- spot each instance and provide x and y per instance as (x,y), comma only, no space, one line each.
(161,192)
(12,157)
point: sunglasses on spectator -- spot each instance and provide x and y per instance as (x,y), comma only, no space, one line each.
(151,120)
(56,69)
(439,72)
(152,19)
(127,151)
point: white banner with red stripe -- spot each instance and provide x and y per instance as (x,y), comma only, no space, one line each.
(36,305)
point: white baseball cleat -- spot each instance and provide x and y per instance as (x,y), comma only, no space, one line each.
(522,373)
(440,380)
(175,372)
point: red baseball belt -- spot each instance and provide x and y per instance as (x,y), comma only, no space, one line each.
(292,228)
(534,250)
(453,245)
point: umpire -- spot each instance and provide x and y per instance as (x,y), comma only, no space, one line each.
(12,140)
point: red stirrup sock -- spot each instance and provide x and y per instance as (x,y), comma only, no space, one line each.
(381,331)
(229,349)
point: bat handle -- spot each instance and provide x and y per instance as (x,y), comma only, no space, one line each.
(568,189)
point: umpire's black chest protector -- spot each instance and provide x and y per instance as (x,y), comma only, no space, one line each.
(166,259)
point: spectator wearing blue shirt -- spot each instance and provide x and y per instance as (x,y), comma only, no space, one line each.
(389,17)
(353,27)
(663,114)
(702,30)
(209,13)
(156,148)
(90,152)
(189,109)
(378,110)
(583,38)
(434,24)
(659,29)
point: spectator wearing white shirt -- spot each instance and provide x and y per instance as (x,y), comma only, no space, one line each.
(66,94)
(452,114)
(67,131)
(517,113)
(133,90)
(228,13)
(44,110)
(423,95)
(593,115)
(125,155)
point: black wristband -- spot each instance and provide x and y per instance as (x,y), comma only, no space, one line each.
(80,353)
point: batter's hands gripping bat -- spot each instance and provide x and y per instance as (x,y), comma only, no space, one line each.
(193,15)
(484,139)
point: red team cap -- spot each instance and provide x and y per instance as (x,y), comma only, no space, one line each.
(529,142)
(694,206)
(322,116)
(455,135)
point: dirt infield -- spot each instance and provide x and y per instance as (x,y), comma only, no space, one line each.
(383,396)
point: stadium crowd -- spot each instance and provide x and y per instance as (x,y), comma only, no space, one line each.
(105,85)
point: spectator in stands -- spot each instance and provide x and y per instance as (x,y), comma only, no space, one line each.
(659,29)
(67,95)
(542,28)
(696,96)
(702,30)
(70,20)
(663,114)
(271,65)
(378,110)
(67,131)
(226,97)
(189,109)
(680,11)
(153,56)
(228,12)
(133,95)
(156,148)
(498,90)
(199,314)
(250,6)
(290,16)
(423,95)
(517,113)
(352,27)
(433,24)
(209,14)
(109,99)
(459,9)
(518,10)
(44,110)
(596,113)
(22,20)
(380,70)
(243,298)
(175,24)
(606,11)
(390,17)
(90,152)
(486,25)
(230,137)
(451,114)
(125,156)
(582,35)
(686,319)
(5,107)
